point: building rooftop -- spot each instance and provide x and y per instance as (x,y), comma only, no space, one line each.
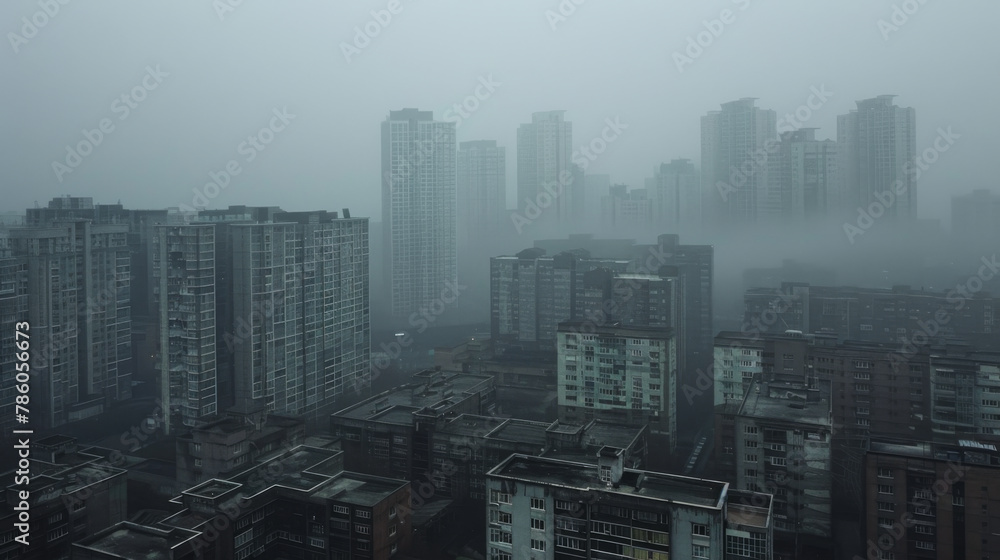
(359,489)
(643,484)
(750,509)
(434,390)
(137,542)
(788,403)
(967,452)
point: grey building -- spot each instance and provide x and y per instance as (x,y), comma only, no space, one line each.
(544,148)
(783,447)
(876,143)
(548,508)
(78,284)
(184,269)
(804,171)
(419,208)
(13,310)
(628,374)
(899,315)
(675,192)
(482,191)
(735,143)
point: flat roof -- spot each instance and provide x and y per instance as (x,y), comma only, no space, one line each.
(585,477)
(436,390)
(771,403)
(359,490)
(130,540)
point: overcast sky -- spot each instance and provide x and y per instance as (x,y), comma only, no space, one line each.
(228,70)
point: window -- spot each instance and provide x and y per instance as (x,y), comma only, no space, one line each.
(197,463)
(499,497)
(699,529)
(497,516)
(497,554)
(363,514)
(244,538)
(884,472)
(885,489)
(699,551)
(886,506)
(750,430)
(362,529)
(750,443)
(341,509)
(392,512)
(569,542)
(538,524)
(318,543)
(500,536)
(751,458)
(538,544)
(605,473)
(538,503)
(392,531)
(886,522)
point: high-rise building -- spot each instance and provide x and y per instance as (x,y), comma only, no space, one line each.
(675,192)
(876,144)
(931,500)
(900,315)
(783,447)
(262,309)
(13,310)
(294,312)
(735,143)
(544,148)
(78,307)
(418,209)
(539,507)
(804,172)
(482,191)
(625,210)
(624,374)
(184,291)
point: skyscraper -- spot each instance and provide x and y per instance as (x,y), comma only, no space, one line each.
(544,148)
(482,191)
(184,267)
(676,196)
(877,142)
(78,307)
(734,159)
(418,209)
(805,173)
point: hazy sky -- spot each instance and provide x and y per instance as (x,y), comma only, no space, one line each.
(226,75)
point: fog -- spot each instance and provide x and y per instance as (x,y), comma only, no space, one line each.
(228,64)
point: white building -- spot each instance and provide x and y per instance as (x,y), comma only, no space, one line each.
(628,374)
(482,191)
(419,208)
